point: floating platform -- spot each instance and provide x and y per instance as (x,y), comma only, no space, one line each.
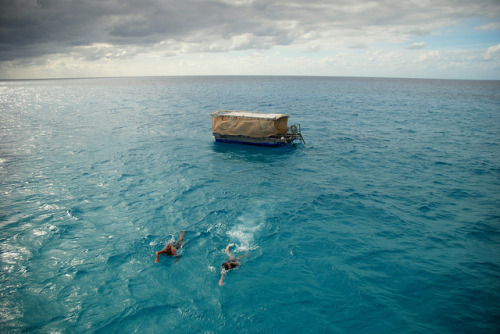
(254,128)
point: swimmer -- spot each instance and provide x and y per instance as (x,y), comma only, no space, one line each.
(171,249)
(229,264)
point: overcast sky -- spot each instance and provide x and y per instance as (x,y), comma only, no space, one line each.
(451,39)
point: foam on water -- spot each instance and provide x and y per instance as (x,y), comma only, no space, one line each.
(243,233)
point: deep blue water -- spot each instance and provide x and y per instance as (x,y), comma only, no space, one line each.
(388,220)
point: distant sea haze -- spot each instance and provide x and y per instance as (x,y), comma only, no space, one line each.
(386,221)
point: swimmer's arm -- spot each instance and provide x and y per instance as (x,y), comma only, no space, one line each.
(221,281)
(242,256)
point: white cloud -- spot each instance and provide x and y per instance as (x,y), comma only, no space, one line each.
(384,57)
(358,46)
(493,52)
(312,48)
(104,51)
(416,46)
(489,26)
(461,61)
(434,56)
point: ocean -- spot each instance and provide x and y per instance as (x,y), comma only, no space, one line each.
(387,220)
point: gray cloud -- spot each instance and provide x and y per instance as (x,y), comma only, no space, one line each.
(31,28)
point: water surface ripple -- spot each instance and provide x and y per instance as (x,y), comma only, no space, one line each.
(388,220)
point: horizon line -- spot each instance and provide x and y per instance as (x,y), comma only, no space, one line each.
(241,75)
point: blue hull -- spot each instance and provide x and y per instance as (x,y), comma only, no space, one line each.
(278,144)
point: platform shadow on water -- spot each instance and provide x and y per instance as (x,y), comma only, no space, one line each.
(253,152)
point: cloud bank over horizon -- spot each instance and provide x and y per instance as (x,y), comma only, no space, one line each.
(70,38)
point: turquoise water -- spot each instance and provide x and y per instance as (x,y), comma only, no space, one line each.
(388,220)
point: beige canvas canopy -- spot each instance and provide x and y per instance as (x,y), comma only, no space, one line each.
(250,124)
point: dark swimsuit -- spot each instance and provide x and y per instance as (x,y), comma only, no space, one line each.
(233,263)
(176,246)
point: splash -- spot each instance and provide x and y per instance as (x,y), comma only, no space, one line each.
(243,233)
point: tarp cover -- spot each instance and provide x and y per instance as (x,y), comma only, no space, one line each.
(242,123)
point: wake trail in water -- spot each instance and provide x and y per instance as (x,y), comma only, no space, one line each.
(248,225)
